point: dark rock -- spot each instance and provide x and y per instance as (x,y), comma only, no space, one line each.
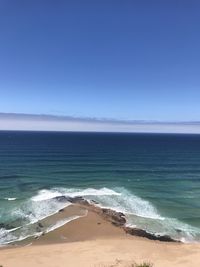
(117,218)
(95,202)
(143,233)
(79,200)
(40,225)
(63,198)
(61,210)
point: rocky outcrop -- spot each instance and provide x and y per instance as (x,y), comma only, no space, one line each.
(143,233)
(116,218)
(79,200)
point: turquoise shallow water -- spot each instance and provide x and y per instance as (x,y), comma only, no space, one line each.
(154,179)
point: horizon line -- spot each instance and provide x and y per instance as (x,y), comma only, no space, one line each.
(50,122)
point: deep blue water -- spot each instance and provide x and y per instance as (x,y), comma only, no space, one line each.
(153,178)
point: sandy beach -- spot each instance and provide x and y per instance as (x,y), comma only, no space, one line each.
(92,241)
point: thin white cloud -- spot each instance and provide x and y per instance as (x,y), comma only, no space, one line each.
(12,121)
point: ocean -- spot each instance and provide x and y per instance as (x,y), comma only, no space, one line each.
(154,179)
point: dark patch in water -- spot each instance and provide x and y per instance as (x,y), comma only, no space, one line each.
(15,176)
(6,226)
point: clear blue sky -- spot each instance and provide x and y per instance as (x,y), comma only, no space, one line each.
(101,58)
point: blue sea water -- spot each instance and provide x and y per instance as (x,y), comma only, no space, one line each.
(153,178)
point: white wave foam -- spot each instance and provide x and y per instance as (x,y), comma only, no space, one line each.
(10,198)
(119,199)
(92,192)
(39,211)
(57,192)
(32,211)
(8,238)
(13,229)
(5,236)
(46,194)
(180,230)
(45,204)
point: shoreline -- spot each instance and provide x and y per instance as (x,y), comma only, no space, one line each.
(97,238)
(79,207)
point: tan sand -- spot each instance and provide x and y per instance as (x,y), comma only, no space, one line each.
(93,242)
